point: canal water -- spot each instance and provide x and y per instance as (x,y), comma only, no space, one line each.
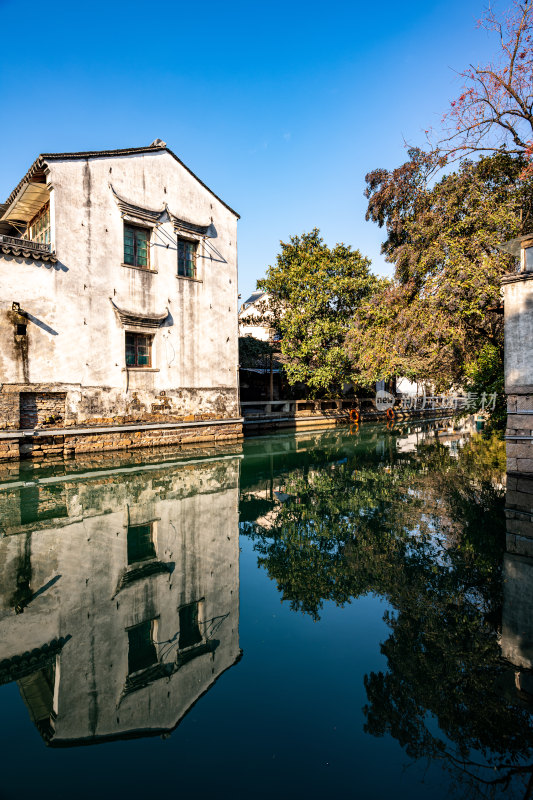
(298,616)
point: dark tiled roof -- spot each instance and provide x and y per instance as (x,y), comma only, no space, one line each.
(148,214)
(38,164)
(11,246)
(253,297)
(143,320)
(12,669)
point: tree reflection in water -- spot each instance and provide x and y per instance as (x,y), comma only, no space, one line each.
(424,529)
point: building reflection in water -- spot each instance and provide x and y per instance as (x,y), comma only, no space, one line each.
(119,602)
(517,621)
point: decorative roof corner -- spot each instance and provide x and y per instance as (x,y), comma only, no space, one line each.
(19,666)
(141,320)
(146,570)
(129,209)
(513,246)
(208,231)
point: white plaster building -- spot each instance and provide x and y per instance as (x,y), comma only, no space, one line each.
(118,302)
(251,317)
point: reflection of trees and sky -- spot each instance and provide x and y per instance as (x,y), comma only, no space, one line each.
(398,662)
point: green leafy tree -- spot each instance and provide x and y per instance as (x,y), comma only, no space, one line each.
(484,375)
(314,293)
(255,352)
(443,306)
(443,238)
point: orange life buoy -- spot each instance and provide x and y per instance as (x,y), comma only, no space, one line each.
(354,415)
(390,413)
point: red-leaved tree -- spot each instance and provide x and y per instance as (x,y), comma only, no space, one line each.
(495,109)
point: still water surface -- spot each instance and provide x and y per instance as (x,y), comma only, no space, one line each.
(300,616)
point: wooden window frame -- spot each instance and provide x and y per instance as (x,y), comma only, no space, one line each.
(136,336)
(148,232)
(526,246)
(194,242)
(44,236)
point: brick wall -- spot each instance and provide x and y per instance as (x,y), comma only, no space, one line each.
(520,424)
(41,408)
(9,410)
(518,510)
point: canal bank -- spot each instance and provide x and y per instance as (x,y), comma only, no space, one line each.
(272,422)
(51,442)
(46,442)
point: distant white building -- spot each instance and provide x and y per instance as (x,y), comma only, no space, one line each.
(251,317)
(405,386)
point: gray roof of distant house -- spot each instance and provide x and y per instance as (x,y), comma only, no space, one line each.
(253,297)
(513,246)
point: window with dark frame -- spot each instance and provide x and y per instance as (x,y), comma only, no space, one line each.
(142,652)
(186,258)
(189,628)
(138,350)
(140,543)
(528,258)
(136,246)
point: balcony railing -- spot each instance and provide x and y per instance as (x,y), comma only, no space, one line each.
(25,244)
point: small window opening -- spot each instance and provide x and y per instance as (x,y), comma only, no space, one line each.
(141,648)
(186,258)
(528,259)
(136,246)
(138,350)
(39,227)
(140,543)
(189,627)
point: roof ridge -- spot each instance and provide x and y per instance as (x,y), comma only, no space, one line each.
(151,148)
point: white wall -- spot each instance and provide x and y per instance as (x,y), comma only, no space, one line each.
(77,340)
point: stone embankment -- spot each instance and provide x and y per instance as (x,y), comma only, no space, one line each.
(266,416)
(41,444)
(49,441)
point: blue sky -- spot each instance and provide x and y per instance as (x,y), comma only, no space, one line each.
(280,107)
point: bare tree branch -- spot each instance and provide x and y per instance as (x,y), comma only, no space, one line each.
(494,111)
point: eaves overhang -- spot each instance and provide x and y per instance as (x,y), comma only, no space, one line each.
(206,230)
(514,246)
(136,212)
(27,203)
(140,319)
(23,248)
